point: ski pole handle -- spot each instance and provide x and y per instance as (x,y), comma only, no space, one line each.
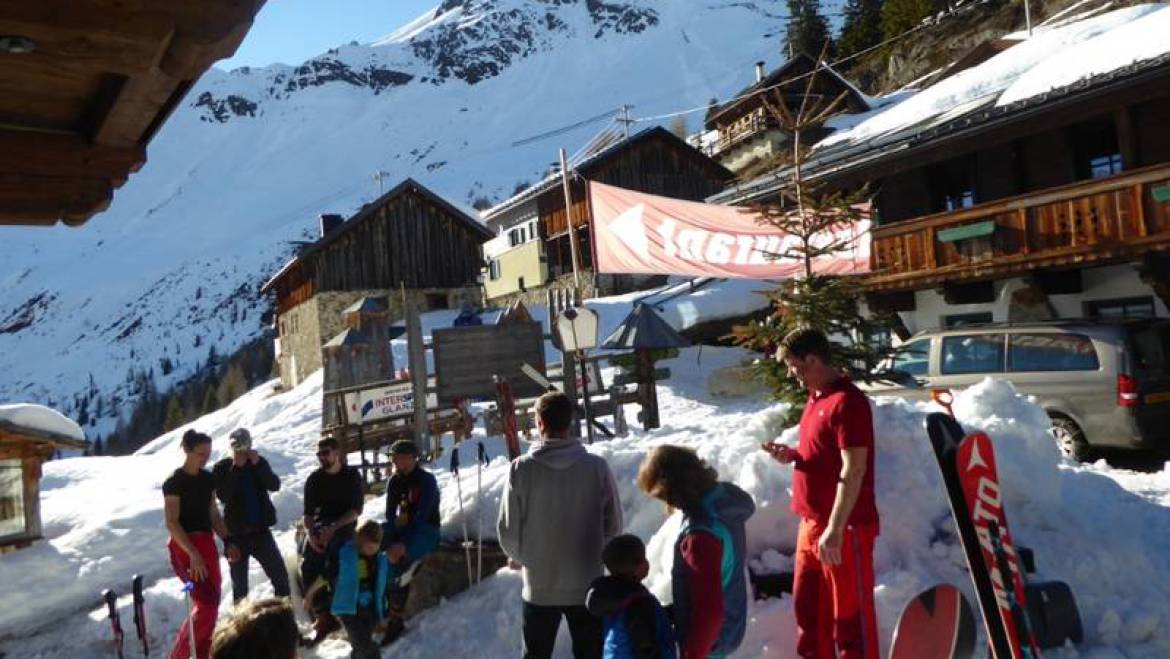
(483,457)
(455,461)
(943,397)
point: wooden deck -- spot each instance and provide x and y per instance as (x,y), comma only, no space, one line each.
(1096,221)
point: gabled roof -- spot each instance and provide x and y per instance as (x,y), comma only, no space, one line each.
(644,329)
(348,337)
(782,77)
(596,161)
(408,185)
(367,304)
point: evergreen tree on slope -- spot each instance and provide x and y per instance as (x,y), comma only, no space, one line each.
(808,31)
(862,27)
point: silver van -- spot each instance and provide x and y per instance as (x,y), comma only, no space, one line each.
(1105,384)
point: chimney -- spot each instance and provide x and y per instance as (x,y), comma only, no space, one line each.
(329,222)
(759,71)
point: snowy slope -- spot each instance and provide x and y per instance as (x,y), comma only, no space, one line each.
(103,523)
(252,156)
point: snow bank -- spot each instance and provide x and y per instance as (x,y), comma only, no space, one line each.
(104,522)
(42,419)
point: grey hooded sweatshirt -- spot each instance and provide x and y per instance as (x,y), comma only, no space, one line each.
(560,507)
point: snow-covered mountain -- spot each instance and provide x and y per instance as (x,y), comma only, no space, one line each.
(252,156)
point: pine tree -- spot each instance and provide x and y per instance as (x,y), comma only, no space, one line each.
(901,15)
(821,222)
(862,27)
(174,414)
(210,400)
(808,31)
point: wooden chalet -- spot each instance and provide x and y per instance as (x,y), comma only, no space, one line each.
(533,246)
(1055,206)
(743,132)
(409,238)
(22,452)
(84,87)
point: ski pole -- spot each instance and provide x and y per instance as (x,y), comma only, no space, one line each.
(479,465)
(188,586)
(462,518)
(140,614)
(111,600)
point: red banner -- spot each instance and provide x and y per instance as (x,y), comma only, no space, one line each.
(640,233)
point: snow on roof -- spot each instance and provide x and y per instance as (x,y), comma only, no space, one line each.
(1144,38)
(41,419)
(1065,54)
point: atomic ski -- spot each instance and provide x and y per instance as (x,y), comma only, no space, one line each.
(945,436)
(980,482)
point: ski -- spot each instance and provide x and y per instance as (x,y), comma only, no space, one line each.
(111,599)
(979,479)
(945,436)
(937,624)
(140,614)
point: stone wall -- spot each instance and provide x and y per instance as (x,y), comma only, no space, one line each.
(300,343)
(444,574)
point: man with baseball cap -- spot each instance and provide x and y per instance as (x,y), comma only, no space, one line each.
(411,528)
(242,484)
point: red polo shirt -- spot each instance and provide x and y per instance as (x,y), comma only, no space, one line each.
(835,419)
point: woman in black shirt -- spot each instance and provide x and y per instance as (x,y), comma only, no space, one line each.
(191,516)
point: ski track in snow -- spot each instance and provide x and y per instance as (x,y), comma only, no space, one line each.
(1103,530)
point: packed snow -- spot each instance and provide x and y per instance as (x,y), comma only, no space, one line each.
(1052,57)
(41,419)
(103,522)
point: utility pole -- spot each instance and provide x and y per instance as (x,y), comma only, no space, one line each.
(625,120)
(569,220)
(378,176)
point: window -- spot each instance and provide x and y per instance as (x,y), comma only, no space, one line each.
(1150,346)
(1095,150)
(976,353)
(952,185)
(11,498)
(437,301)
(1132,307)
(1051,352)
(913,358)
(965,319)
(494,269)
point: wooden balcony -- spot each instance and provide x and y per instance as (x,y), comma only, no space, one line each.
(1096,221)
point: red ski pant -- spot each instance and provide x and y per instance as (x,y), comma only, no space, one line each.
(834,603)
(204,597)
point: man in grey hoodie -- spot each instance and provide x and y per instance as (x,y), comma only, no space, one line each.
(560,507)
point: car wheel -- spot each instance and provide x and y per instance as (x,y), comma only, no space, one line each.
(1071,439)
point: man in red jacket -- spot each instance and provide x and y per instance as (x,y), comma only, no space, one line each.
(832,491)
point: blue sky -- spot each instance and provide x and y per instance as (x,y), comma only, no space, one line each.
(292,31)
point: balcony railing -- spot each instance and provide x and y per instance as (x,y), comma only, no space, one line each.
(740,132)
(1089,221)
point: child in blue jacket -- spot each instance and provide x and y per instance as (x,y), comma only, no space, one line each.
(360,577)
(636,626)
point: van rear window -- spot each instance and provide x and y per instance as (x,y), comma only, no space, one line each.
(1150,347)
(1051,352)
(976,353)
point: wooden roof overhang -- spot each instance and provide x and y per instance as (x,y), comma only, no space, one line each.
(19,441)
(84,87)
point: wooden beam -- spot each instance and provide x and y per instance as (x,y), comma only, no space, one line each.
(32,153)
(129,47)
(140,102)
(44,200)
